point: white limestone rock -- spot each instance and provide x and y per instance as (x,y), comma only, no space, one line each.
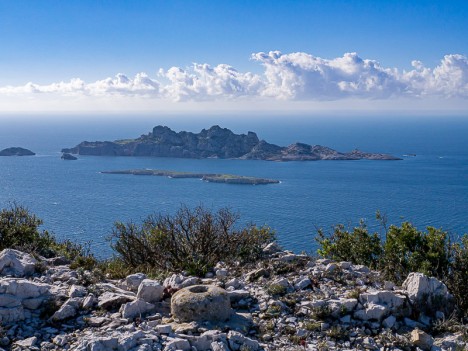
(137,308)
(133,281)
(150,291)
(16,263)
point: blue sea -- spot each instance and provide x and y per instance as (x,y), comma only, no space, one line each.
(77,202)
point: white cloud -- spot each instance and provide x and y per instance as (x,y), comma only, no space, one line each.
(294,77)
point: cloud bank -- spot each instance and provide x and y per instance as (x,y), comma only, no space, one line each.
(294,77)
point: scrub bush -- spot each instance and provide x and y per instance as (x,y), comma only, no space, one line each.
(20,230)
(404,249)
(192,240)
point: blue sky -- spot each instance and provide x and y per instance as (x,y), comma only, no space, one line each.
(46,42)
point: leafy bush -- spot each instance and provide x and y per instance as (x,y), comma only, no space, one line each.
(191,240)
(405,249)
(458,277)
(19,229)
(357,246)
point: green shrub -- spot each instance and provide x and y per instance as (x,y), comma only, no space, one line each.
(458,278)
(358,246)
(191,240)
(405,249)
(19,229)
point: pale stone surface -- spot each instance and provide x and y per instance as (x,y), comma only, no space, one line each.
(237,340)
(133,281)
(150,291)
(137,308)
(110,300)
(419,286)
(16,263)
(201,303)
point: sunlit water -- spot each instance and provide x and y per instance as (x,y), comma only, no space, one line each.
(76,201)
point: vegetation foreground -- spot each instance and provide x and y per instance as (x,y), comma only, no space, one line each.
(362,294)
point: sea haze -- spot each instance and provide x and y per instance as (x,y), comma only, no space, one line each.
(77,202)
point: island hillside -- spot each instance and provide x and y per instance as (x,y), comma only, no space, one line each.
(16,151)
(215,142)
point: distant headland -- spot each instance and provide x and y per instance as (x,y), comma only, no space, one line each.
(216,142)
(16,151)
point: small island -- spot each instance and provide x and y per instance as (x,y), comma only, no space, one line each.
(68,157)
(16,151)
(208,177)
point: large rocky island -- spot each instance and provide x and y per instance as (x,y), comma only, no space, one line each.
(215,142)
(16,151)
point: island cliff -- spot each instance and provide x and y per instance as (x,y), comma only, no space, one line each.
(215,142)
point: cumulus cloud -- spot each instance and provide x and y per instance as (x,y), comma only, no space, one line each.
(285,77)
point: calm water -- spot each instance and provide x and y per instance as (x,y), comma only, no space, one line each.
(76,201)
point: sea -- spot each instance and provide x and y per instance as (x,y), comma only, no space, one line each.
(428,187)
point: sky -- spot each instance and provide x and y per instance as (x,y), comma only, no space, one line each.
(261,56)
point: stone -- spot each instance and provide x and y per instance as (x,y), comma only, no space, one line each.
(103,344)
(389,322)
(372,311)
(177,344)
(237,341)
(77,291)
(237,295)
(281,282)
(201,303)
(29,342)
(68,310)
(271,248)
(234,283)
(133,281)
(150,291)
(110,300)
(164,329)
(89,301)
(178,281)
(16,263)
(303,284)
(331,267)
(96,321)
(221,273)
(385,298)
(420,287)
(421,339)
(136,308)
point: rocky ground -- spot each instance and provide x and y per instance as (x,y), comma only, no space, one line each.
(286,302)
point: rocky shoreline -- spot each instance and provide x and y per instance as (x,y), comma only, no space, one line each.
(215,142)
(284,302)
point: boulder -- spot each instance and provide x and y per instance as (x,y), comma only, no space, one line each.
(428,293)
(136,308)
(420,286)
(150,291)
(16,263)
(133,281)
(110,300)
(201,303)
(372,311)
